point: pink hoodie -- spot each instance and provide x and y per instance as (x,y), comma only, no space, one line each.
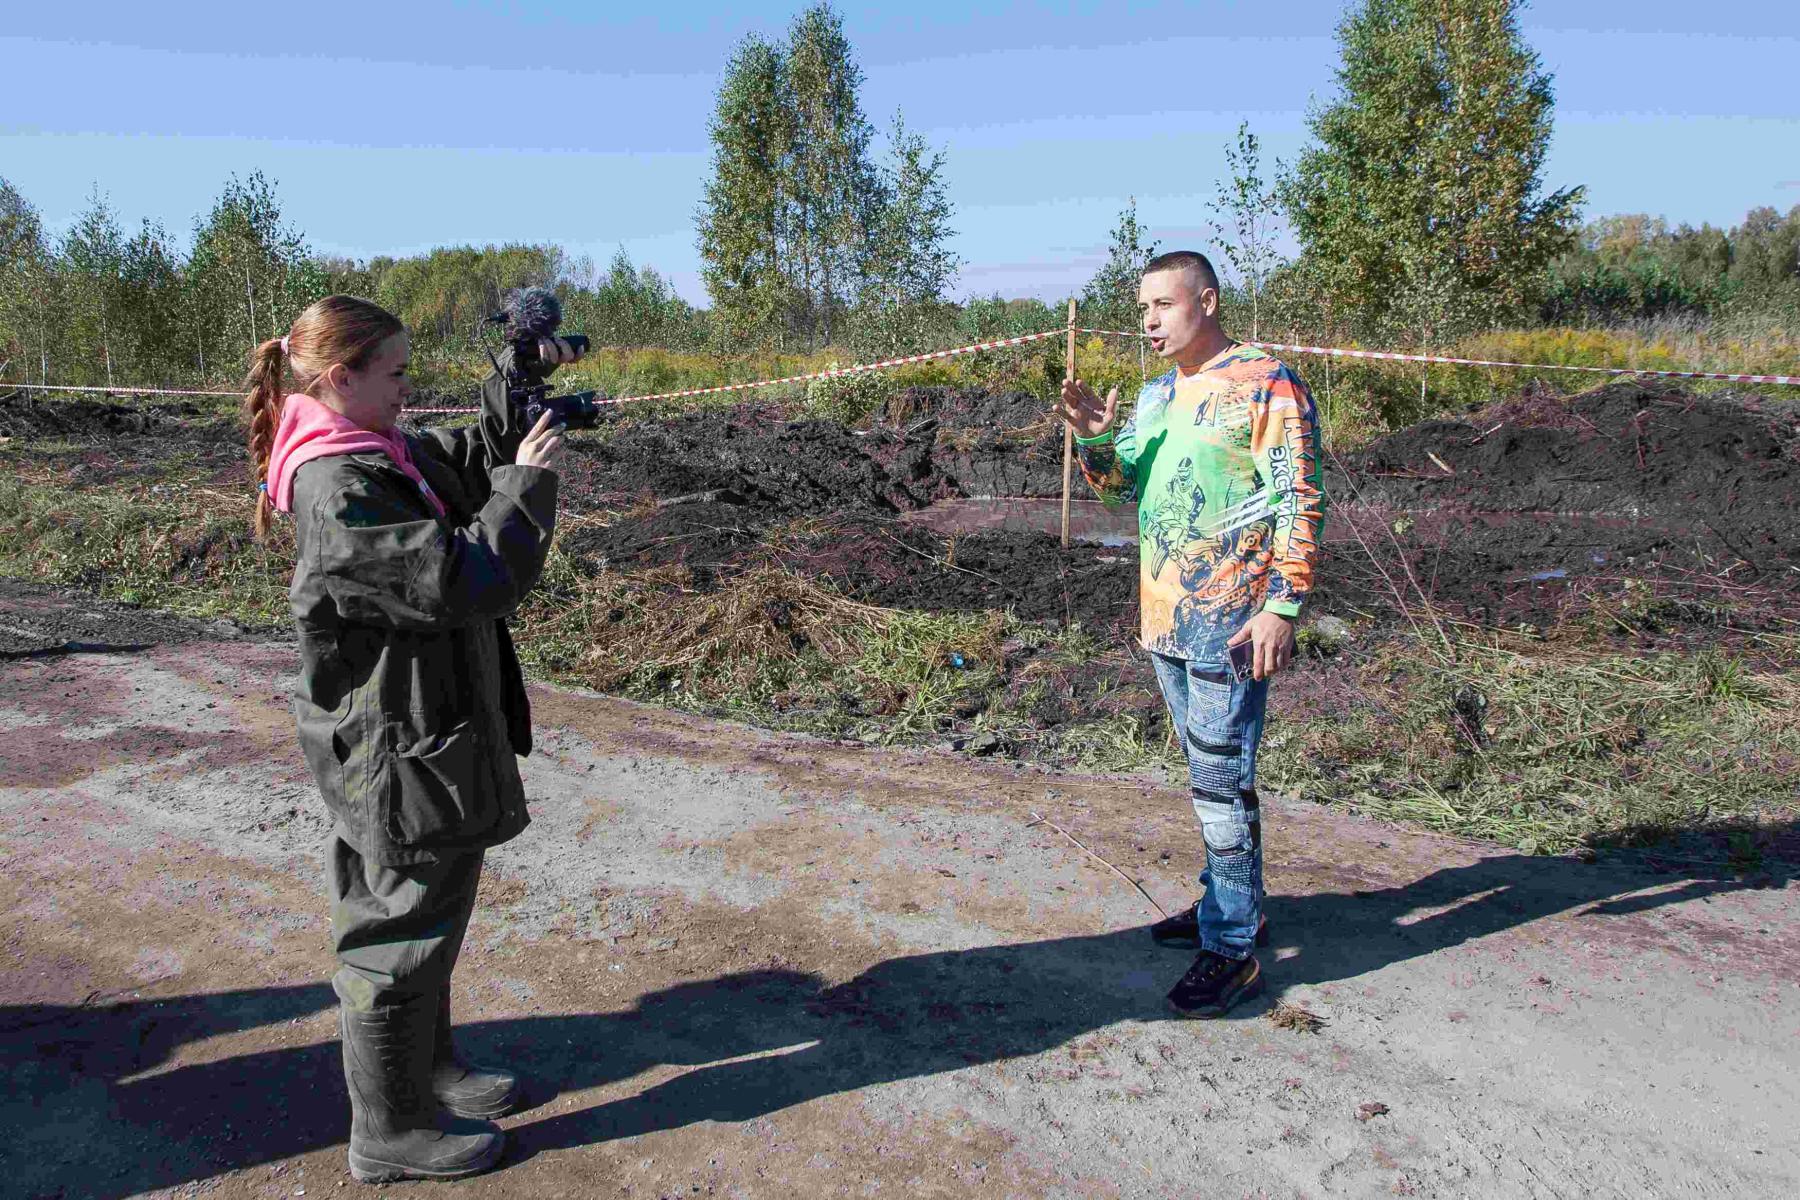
(309,430)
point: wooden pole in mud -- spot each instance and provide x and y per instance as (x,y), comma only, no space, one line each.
(1068,431)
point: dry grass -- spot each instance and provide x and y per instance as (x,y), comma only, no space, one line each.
(1296,1018)
(1553,748)
(765,644)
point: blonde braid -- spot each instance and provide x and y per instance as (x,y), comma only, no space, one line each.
(262,412)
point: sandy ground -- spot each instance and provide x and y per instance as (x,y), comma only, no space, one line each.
(739,964)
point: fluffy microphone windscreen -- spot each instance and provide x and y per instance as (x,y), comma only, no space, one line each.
(534,310)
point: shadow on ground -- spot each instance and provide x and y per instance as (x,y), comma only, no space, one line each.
(95,1113)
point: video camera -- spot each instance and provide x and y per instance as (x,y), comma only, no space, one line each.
(529,323)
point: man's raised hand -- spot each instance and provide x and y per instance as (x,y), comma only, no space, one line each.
(1085,412)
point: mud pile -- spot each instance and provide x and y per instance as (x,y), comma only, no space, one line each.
(1506,514)
(23,415)
(1724,468)
(1517,515)
(1512,516)
(717,491)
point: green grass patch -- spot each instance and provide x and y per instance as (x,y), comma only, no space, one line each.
(181,548)
(1550,751)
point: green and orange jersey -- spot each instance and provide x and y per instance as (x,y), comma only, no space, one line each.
(1223,462)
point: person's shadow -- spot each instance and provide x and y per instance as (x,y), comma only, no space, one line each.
(99,1118)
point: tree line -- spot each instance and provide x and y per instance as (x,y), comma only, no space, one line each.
(100,306)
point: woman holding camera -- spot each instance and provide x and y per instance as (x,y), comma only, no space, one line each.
(411,549)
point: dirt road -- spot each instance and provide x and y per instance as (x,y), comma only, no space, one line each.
(740,964)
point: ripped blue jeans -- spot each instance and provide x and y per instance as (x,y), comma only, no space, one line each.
(1220,723)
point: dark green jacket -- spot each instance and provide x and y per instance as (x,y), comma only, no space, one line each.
(411,703)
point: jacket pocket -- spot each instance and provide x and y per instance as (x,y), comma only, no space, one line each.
(439,794)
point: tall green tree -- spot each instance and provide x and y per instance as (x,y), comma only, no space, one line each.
(833,190)
(28,290)
(909,265)
(1110,298)
(1244,218)
(742,223)
(92,261)
(798,223)
(149,316)
(248,276)
(910,260)
(1420,210)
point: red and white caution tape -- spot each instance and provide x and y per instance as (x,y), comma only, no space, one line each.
(1394,356)
(112,391)
(828,373)
(840,372)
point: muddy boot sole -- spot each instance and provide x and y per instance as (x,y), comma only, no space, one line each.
(368,1169)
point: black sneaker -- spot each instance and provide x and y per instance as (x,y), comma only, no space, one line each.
(1182,931)
(1213,984)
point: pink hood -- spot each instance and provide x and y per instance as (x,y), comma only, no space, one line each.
(309,430)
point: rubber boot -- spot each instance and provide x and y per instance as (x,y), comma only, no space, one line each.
(480,1093)
(396,1132)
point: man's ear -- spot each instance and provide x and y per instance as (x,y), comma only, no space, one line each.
(1209,301)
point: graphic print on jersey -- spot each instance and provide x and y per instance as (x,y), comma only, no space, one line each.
(1224,463)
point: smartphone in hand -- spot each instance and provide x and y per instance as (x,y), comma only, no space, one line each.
(1243,661)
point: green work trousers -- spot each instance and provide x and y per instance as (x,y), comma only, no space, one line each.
(397,930)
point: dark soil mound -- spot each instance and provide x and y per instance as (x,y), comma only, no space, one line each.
(1719,468)
(1542,497)
(22,415)
(714,491)
(1532,512)
(775,467)
(903,566)
(991,444)
(697,534)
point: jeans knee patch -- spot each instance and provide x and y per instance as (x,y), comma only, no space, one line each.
(1230,854)
(1214,779)
(1214,772)
(1226,837)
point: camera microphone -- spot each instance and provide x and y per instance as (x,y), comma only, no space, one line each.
(531,318)
(533,310)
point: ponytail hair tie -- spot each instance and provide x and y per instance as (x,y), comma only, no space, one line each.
(284,343)
(263,486)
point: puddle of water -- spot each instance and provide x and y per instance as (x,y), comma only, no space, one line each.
(1090,521)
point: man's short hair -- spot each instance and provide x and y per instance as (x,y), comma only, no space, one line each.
(1186,260)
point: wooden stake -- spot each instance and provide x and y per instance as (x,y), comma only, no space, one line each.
(1068,431)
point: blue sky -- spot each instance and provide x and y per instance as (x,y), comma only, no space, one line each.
(392,127)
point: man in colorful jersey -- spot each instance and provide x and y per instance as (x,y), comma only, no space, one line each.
(1222,456)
